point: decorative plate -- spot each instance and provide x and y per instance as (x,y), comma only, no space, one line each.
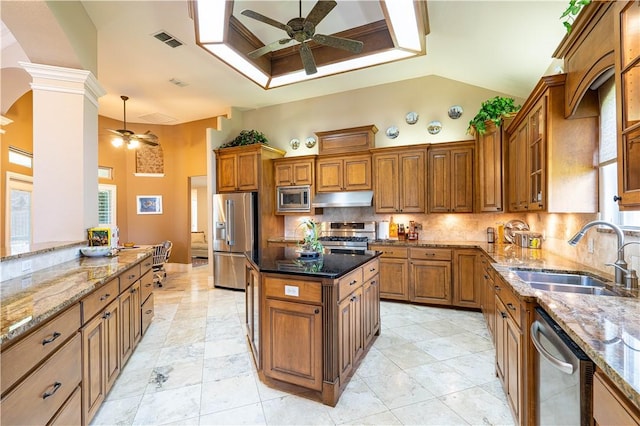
(411,117)
(310,142)
(455,112)
(393,132)
(295,143)
(513,226)
(434,127)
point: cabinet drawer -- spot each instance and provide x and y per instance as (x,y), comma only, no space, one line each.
(295,290)
(146,286)
(28,352)
(510,300)
(370,270)
(147,312)
(99,299)
(610,406)
(71,413)
(417,253)
(350,282)
(390,251)
(128,277)
(146,265)
(44,391)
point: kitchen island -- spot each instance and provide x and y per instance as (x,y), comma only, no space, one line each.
(311,321)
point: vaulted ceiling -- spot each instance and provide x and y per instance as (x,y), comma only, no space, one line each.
(500,45)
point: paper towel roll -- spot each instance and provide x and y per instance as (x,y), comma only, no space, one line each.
(383,230)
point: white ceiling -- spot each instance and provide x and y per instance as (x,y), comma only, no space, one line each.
(504,46)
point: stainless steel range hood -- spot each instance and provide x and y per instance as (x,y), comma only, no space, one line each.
(343,199)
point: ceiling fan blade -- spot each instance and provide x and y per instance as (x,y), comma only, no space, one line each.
(151,143)
(260,17)
(307,59)
(268,48)
(319,11)
(354,46)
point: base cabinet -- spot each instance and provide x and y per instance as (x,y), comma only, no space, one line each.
(130,321)
(287,323)
(252,310)
(371,306)
(350,333)
(610,406)
(466,278)
(431,281)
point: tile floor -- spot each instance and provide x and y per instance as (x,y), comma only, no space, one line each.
(429,366)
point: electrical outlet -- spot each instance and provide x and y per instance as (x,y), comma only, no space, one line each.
(590,248)
(26,265)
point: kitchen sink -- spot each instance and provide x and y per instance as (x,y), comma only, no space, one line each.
(565,282)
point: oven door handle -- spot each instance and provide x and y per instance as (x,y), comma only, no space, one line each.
(559,364)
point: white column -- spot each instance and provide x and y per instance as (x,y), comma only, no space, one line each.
(65,152)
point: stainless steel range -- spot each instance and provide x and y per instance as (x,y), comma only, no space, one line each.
(346,237)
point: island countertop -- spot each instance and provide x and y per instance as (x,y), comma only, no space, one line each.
(286,260)
(29,300)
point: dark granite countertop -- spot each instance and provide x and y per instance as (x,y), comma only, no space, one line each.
(286,260)
(29,300)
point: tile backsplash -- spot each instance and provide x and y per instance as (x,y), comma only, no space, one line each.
(557,229)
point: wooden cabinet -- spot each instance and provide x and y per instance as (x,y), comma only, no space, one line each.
(130,321)
(489,166)
(547,169)
(430,276)
(394,272)
(340,173)
(610,406)
(292,313)
(354,139)
(488,304)
(467,282)
(451,178)
(252,310)
(240,169)
(100,357)
(371,314)
(350,336)
(294,171)
(399,180)
(627,76)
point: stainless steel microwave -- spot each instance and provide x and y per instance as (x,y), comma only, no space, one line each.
(293,199)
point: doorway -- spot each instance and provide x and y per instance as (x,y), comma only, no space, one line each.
(199,222)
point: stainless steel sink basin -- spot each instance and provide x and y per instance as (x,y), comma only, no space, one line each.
(565,282)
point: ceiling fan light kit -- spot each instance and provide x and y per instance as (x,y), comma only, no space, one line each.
(127,136)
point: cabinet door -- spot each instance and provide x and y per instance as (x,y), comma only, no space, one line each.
(130,321)
(430,282)
(412,181)
(329,173)
(247,172)
(112,344)
(350,333)
(394,278)
(500,333)
(357,173)
(386,175)
(537,156)
(252,315)
(466,286)
(513,373)
(299,363)
(518,168)
(490,179)
(284,174)
(610,405)
(371,317)
(439,178)
(227,173)
(303,173)
(462,180)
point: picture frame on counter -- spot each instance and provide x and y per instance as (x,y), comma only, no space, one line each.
(149,204)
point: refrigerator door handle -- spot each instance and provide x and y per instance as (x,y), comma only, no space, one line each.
(230,223)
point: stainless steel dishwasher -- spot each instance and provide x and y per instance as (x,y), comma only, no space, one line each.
(563,375)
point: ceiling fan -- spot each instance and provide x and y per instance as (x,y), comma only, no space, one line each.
(303,30)
(129,137)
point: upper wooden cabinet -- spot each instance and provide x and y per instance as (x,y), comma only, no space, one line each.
(451,178)
(239,169)
(294,171)
(627,76)
(588,51)
(550,157)
(355,139)
(489,165)
(399,180)
(340,173)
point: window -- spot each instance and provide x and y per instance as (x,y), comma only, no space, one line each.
(608,167)
(106,205)
(105,172)
(18,215)
(20,157)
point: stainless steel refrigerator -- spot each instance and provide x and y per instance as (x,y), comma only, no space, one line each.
(234,233)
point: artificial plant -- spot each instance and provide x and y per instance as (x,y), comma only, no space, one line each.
(247,137)
(572,11)
(494,109)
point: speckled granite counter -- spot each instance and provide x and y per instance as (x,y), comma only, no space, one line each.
(29,300)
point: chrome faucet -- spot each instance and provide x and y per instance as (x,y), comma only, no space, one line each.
(630,276)
(620,264)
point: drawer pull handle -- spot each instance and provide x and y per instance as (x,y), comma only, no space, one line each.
(133,290)
(148,285)
(53,337)
(353,282)
(132,276)
(105,297)
(497,288)
(510,306)
(503,314)
(317,311)
(149,312)
(372,269)
(56,386)
(106,315)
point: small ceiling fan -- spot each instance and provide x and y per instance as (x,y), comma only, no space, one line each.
(129,137)
(303,30)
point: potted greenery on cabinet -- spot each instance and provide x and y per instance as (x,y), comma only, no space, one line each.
(494,110)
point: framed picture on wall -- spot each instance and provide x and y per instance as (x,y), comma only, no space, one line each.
(149,204)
